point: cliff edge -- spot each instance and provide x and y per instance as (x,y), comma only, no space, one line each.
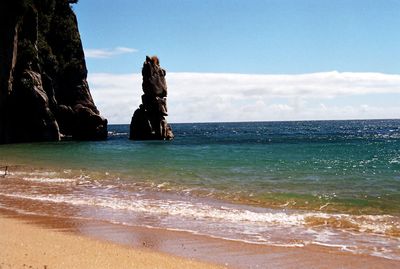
(44,94)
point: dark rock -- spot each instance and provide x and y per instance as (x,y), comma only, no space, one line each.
(88,124)
(32,118)
(148,121)
(44,94)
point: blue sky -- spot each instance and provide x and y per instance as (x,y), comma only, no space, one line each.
(270,37)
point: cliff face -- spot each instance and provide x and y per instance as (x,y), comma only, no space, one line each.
(43,89)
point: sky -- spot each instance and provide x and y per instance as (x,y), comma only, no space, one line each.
(246,60)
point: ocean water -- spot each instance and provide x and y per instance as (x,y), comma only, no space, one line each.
(331,183)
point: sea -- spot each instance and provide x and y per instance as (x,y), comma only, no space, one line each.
(292,184)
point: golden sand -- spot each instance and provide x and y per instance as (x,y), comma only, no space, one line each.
(28,246)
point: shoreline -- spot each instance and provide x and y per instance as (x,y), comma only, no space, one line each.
(39,241)
(36,205)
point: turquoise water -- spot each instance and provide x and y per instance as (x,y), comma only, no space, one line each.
(331,183)
(354,165)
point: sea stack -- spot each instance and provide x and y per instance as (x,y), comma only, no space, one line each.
(44,94)
(148,121)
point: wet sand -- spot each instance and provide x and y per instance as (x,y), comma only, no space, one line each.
(29,241)
(29,246)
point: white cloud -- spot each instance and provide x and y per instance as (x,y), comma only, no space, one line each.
(196,97)
(107,53)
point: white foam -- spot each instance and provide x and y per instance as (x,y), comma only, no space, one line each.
(117,133)
(170,207)
(50,180)
(366,223)
(34,173)
(239,224)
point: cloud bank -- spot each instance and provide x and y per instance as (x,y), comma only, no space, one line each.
(107,53)
(205,97)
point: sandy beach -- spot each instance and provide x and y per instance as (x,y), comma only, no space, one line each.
(35,242)
(29,246)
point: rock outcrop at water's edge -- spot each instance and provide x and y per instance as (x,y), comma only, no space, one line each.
(44,94)
(148,121)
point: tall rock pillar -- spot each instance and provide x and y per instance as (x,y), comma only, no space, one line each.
(148,121)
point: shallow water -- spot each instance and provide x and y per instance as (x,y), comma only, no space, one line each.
(333,183)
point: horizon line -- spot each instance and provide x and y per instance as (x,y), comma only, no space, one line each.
(261,121)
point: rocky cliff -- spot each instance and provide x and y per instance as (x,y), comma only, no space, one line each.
(44,94)
(148,121)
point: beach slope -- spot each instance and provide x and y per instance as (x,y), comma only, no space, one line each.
(29,246)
